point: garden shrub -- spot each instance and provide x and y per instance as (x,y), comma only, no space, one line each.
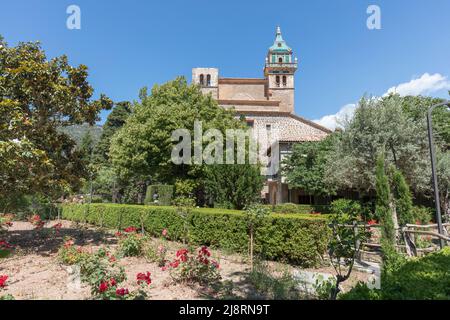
(299,208)
(299,239)
(344,207)
(426,278)
(361,292)
(165,195)
(422,214)
(131,243)
(68,254)
(188,268)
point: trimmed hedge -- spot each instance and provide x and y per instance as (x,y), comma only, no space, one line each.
(299,239)
(299,208)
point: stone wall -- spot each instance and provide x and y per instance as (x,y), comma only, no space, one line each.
(242,92)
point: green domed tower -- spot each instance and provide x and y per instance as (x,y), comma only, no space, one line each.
(280,68)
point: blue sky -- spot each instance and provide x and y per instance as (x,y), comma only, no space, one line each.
(135,43)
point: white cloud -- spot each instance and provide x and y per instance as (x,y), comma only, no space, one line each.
(424,85)
(334,121)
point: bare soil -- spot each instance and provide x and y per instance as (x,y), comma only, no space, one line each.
(35,273)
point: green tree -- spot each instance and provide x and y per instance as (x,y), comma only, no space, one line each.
(402,198)
(255,215)
(416,108)
(142,148)
(106,181)
(385,210)
(443,173)
(233,186)
(345,243)
(37,97)
(384,202)
(378,124)
(306,167)
(116,119)
(87,147)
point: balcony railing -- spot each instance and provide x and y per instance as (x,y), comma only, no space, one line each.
(282,65)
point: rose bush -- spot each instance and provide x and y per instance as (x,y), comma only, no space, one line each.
(69,254)
(110,290)
(198,268)
(36,221)
(131,243)
(5,249)
(158,254)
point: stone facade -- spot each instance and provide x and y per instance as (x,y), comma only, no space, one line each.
(267,104)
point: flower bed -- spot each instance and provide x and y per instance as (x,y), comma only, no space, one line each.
(299,239)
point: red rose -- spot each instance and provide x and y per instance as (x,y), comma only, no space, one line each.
(103,287)
(5,245)
(122,292)
(3,281)
(144,277)
(182,254)
(69,243)
(175,264)
(130,230)
(113,282)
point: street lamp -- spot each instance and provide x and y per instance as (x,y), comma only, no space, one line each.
(433,168)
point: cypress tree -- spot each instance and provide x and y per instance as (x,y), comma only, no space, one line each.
(383,201)
(403,199)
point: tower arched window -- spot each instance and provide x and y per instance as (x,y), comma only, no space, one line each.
(284,81)
(277,80)
(202,80)
(208,80)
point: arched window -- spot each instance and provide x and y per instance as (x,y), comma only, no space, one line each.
(208,80)
(284,81)
(202,80)
(277,80)
(280,60)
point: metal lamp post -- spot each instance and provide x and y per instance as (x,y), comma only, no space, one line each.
(433,168)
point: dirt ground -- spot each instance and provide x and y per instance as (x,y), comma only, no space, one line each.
(35,273)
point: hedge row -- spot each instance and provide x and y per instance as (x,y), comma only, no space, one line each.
(299,208)
(299,239)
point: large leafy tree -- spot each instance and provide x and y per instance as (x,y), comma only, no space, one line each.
(416,108)
(305,168)
(380,124)
(142,149)
(398,126)
(37,97)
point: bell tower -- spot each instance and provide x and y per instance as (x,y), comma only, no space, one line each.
(279,70)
